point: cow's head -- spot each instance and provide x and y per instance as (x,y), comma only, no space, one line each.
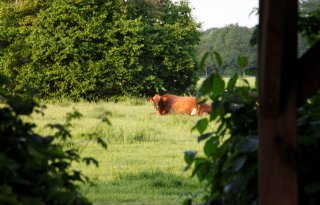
(158,101)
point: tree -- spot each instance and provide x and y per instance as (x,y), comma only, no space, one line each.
(77,49)
(307,6)
(309,20)
(36,169)
(230,42)
(96,49)
(169,38)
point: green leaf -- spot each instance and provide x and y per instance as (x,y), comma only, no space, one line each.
(201,125)
(218,85)
(232,82)
(207,86)
(189,156)
(202,168)
(242,61)
(216,111)
(244,94)
(210,147)
(212,84)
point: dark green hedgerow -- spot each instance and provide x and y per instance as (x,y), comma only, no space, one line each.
(36,169)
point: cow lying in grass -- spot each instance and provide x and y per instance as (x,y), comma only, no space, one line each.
(201,109)
(168,103)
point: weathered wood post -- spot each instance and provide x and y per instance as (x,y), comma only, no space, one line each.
(278,102)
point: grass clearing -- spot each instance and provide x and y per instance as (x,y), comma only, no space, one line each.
(144,160)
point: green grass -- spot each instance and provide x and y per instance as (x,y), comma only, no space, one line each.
(144,160)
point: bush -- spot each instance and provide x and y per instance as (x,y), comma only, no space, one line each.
(35,169)
(97,49)
(229,167)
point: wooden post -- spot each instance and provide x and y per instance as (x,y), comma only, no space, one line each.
(277,102)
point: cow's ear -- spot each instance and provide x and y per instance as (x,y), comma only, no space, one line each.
(150,99)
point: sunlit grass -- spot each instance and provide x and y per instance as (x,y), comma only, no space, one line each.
(144,160)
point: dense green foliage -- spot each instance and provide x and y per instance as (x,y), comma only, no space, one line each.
(309,151)
(229,166)
(309,20)
(36,169)
(72,51)
(169,39)
(96,49)
(230,42)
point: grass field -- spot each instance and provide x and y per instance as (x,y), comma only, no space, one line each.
(144,160)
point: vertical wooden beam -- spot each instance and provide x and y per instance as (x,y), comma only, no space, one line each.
(277,102)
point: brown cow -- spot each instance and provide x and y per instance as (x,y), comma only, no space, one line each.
(169,103)
(200,109)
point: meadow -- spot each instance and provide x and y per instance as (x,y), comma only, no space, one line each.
(145,156)
(144,160)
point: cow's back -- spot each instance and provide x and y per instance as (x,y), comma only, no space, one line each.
(176,104)
(167,100)
(184,105)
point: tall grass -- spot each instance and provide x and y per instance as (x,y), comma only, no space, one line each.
(144,160)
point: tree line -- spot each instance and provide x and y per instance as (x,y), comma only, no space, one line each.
(96,49)
(233,41)
(100,49)
(230,42)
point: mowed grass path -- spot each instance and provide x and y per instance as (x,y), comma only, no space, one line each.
(144,160)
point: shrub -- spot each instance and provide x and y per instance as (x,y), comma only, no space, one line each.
(36,169)
(229,167)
